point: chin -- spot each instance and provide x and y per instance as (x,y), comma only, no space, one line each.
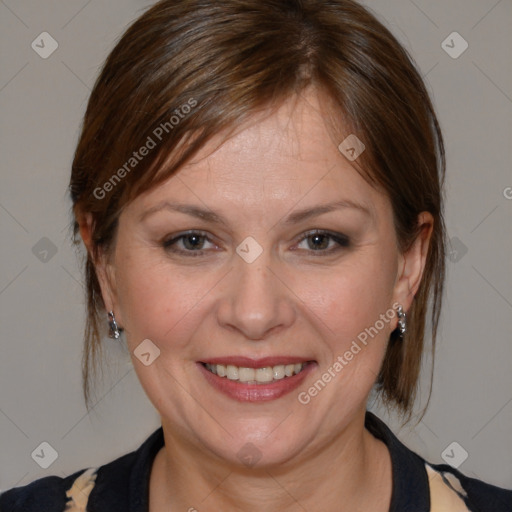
(261,448)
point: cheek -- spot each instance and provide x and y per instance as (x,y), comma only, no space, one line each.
(350,300)
(353,294)
(154,301)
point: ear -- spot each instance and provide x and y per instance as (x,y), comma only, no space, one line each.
(104,270)
(412,263)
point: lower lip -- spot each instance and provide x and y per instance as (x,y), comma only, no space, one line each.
(256,392)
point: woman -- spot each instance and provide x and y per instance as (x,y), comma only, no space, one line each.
(259,188)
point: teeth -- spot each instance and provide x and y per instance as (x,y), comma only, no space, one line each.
(265,374)
(255,375)
(232,372)
(245,374)
(278,372)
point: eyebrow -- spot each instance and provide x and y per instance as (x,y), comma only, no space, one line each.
(293,218)
(301,215)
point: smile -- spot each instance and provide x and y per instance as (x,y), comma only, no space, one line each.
(262,375)
(256,381)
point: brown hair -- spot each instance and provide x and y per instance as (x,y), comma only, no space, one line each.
(189,69)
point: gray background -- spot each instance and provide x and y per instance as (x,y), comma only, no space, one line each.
(41,292)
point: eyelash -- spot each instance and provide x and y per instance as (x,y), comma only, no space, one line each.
(342,241)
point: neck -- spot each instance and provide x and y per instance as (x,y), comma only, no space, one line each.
(349,472)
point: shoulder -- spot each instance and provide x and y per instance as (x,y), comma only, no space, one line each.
(51,493)
(72,493)
(452,490)
(420,486)
(118,485)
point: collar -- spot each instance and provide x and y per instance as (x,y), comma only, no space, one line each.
(410,491)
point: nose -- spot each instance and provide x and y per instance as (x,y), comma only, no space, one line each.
(256,302)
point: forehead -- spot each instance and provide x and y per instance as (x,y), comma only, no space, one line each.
(294,133)
(287,155)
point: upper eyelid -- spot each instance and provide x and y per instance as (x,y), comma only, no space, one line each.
(180,236)
(318,231)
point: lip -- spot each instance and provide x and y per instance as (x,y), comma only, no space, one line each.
(255,392)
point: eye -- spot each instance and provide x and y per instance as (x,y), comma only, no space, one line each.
(188,244)
(324,242)
(195,243)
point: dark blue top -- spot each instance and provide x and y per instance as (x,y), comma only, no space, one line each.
(123,484)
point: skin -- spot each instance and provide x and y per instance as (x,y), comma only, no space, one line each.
(294,299)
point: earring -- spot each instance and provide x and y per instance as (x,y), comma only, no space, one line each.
(114,331)
(402,326)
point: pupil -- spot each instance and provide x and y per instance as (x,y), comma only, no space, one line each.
(196,241)
(317,238)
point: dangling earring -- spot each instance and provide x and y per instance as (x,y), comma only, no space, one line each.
(114,330)
(402,326)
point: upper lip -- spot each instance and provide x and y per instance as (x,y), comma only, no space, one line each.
(247,362)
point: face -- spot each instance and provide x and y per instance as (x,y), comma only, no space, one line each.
(266,252)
